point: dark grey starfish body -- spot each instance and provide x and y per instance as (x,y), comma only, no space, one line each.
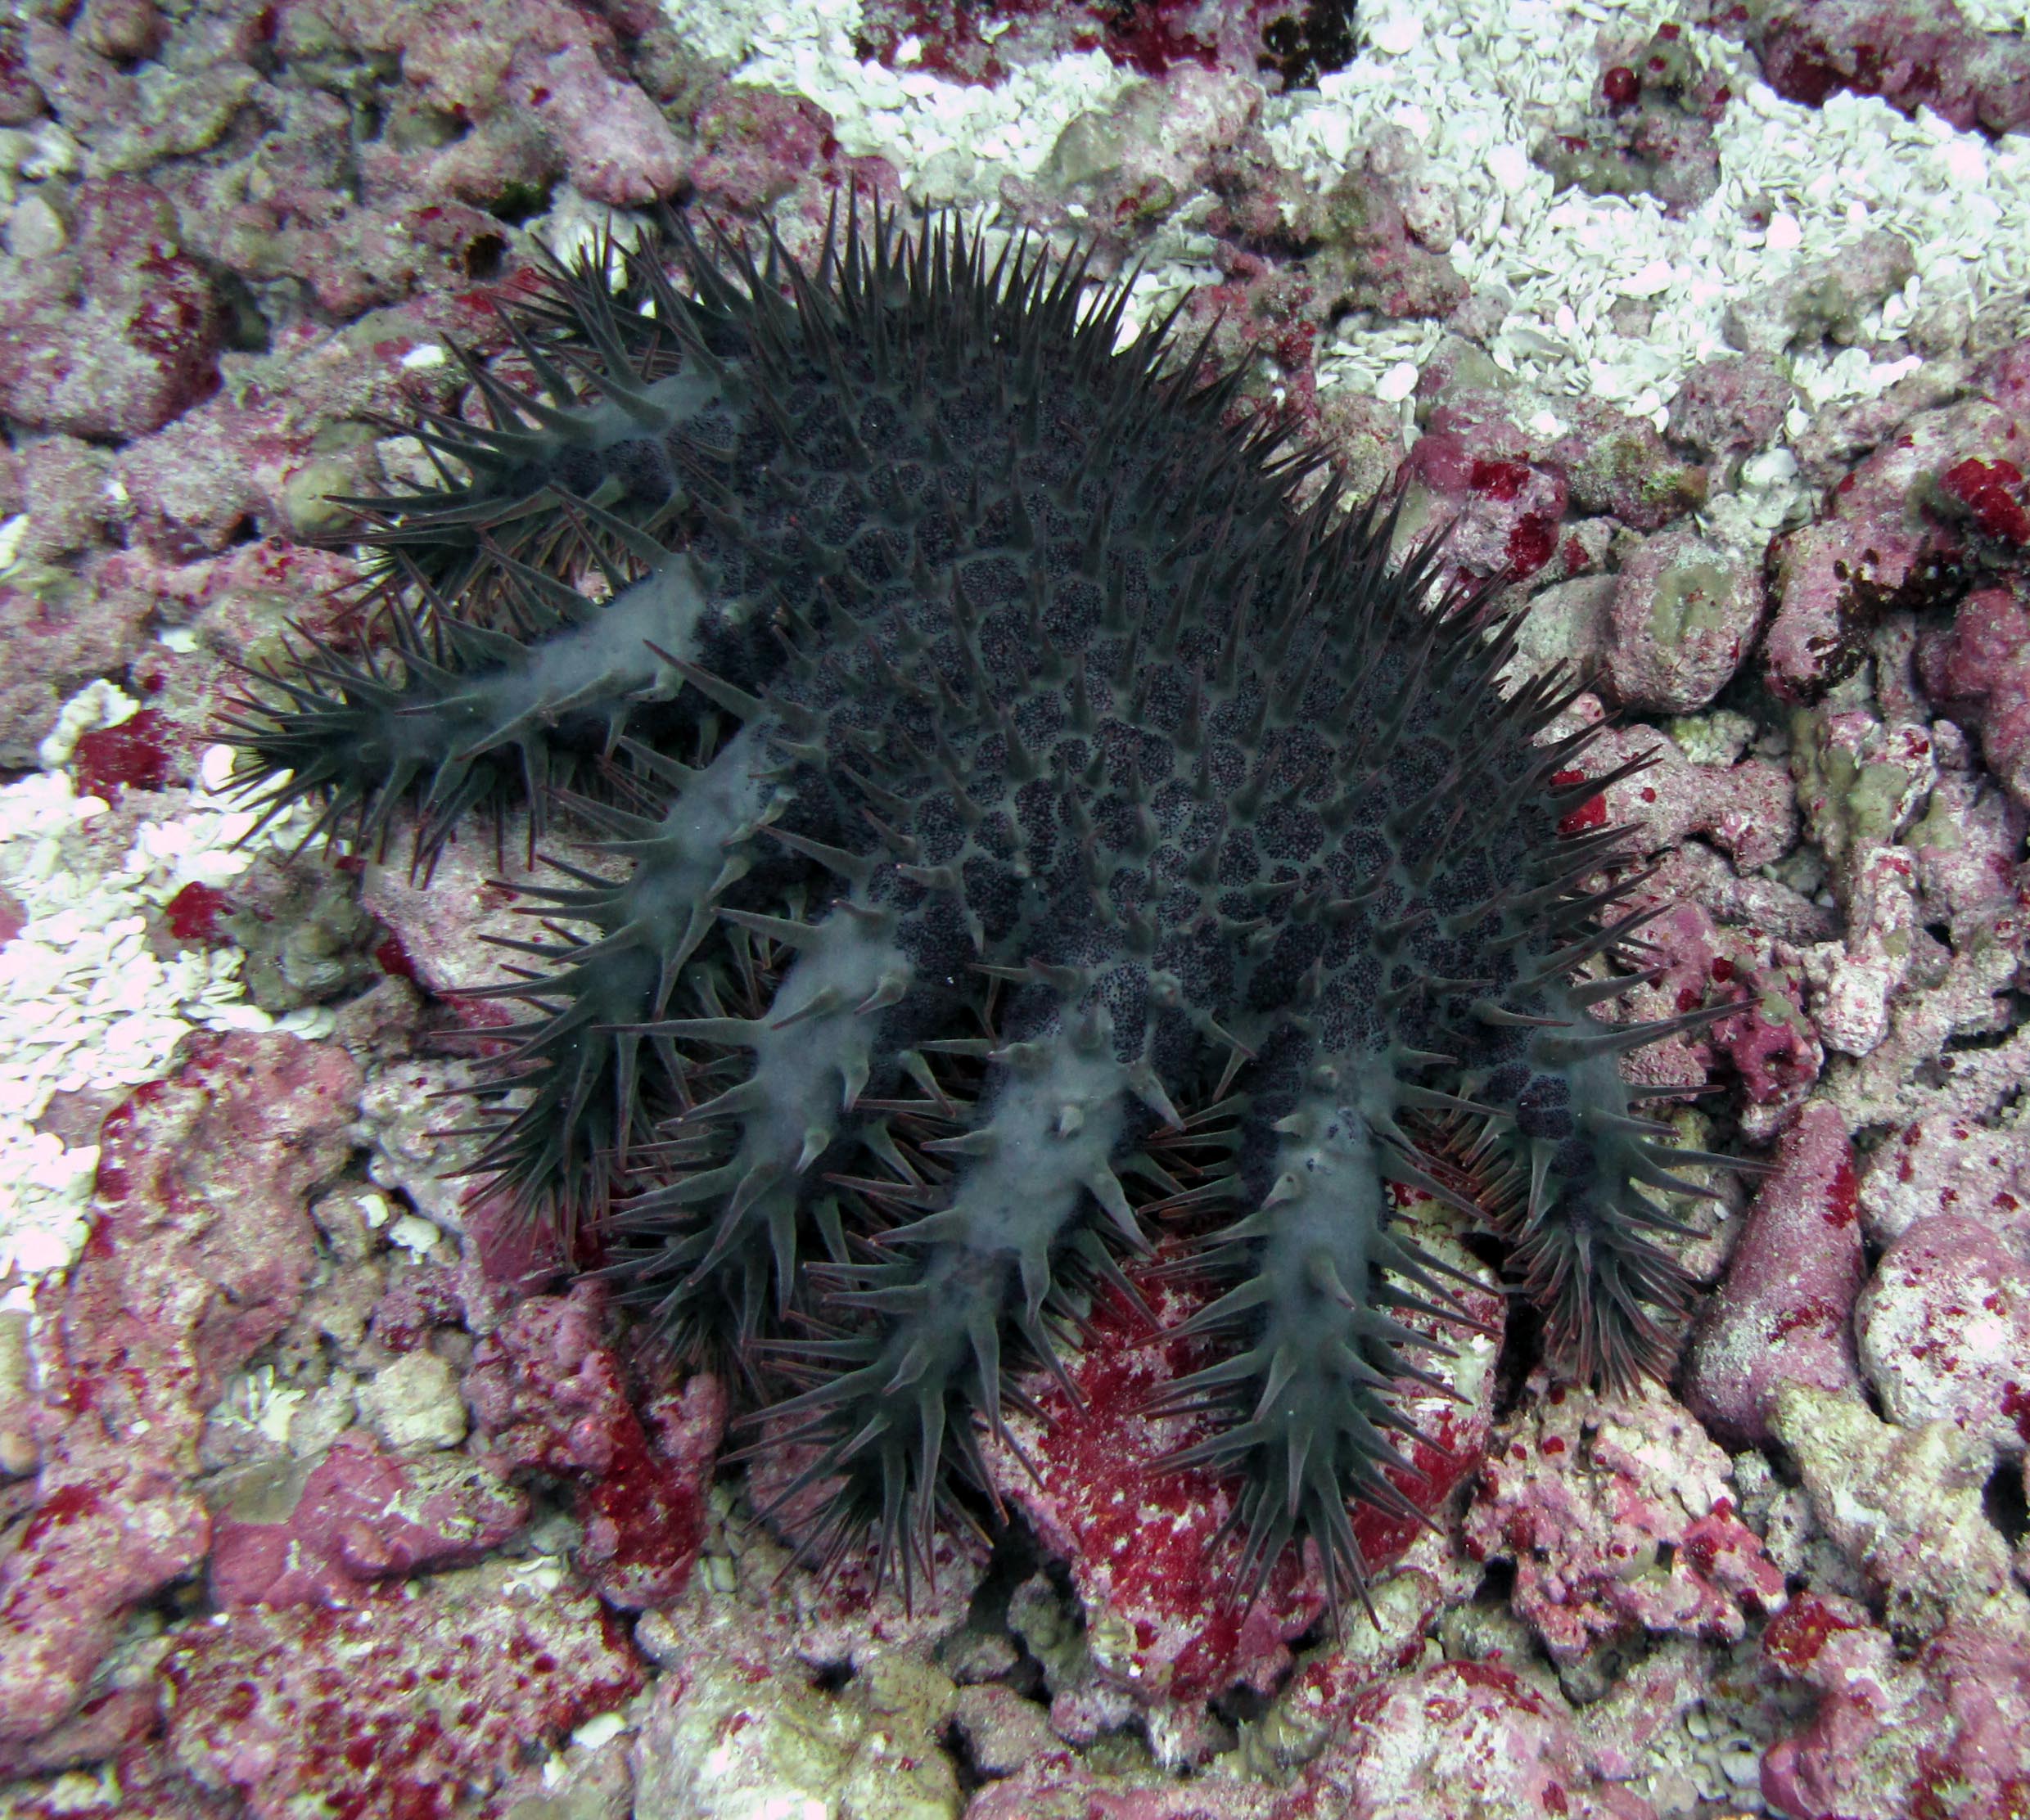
(1039,819)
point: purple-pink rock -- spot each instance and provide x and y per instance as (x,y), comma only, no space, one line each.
(1510,486)
(1145,1549)
(243,599)
(259,452)
(117,333)
(755,145)
(617,147)
(1782,1315)
(1618,465)
(1944,1164)
(1730,406)
(390,1710)
(1913,53)
(22,102)
(1504,510)
(1618,1515)
(200,1249)
(1821,572)
(1969,847)
(1231,37)
(57,639)
(1061,1783)
(63,490)
(1943,1733)
(334,1533)
(1456,1740)
(1943,1328)
(1896,530)
(120,1721)
(1685,611)
(1754,905)
(444,930)
(1980,671)
(550,1395)
(546,59)
(1748,808)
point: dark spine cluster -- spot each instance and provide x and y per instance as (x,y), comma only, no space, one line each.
(1046,811)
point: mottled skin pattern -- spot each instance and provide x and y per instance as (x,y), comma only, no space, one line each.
(1039,823)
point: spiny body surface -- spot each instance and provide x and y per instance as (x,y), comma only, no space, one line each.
(1040,823)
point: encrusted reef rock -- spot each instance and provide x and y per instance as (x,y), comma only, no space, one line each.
(200,1249)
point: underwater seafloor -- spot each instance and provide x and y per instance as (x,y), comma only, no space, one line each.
(1706,326)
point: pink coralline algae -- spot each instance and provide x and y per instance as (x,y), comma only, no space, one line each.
(1913,53)
(444,927)
(63,491)
(56,640)
(1944,1164)
(390,1710)
(1505,512)
(1990,493)
(1167,1624)
(1925,863)
(1511,488)
(117,333)
(1730,405)
(547,62)
(255,457)
(1783,1315)
(1457,1740)
(1059,1786)
(128,121)
(333,1533)
(1269,312)
(1618,1514)
(1454,1741)
(1685,611)
(1943,1328)
(1967,847)
(1903,529)
(1893,1737)
(1693,874)
(1748,809)
(550,1396)
(1363,238)
(198,1256)
(1930,1715)
(754,147)
(1979,668)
